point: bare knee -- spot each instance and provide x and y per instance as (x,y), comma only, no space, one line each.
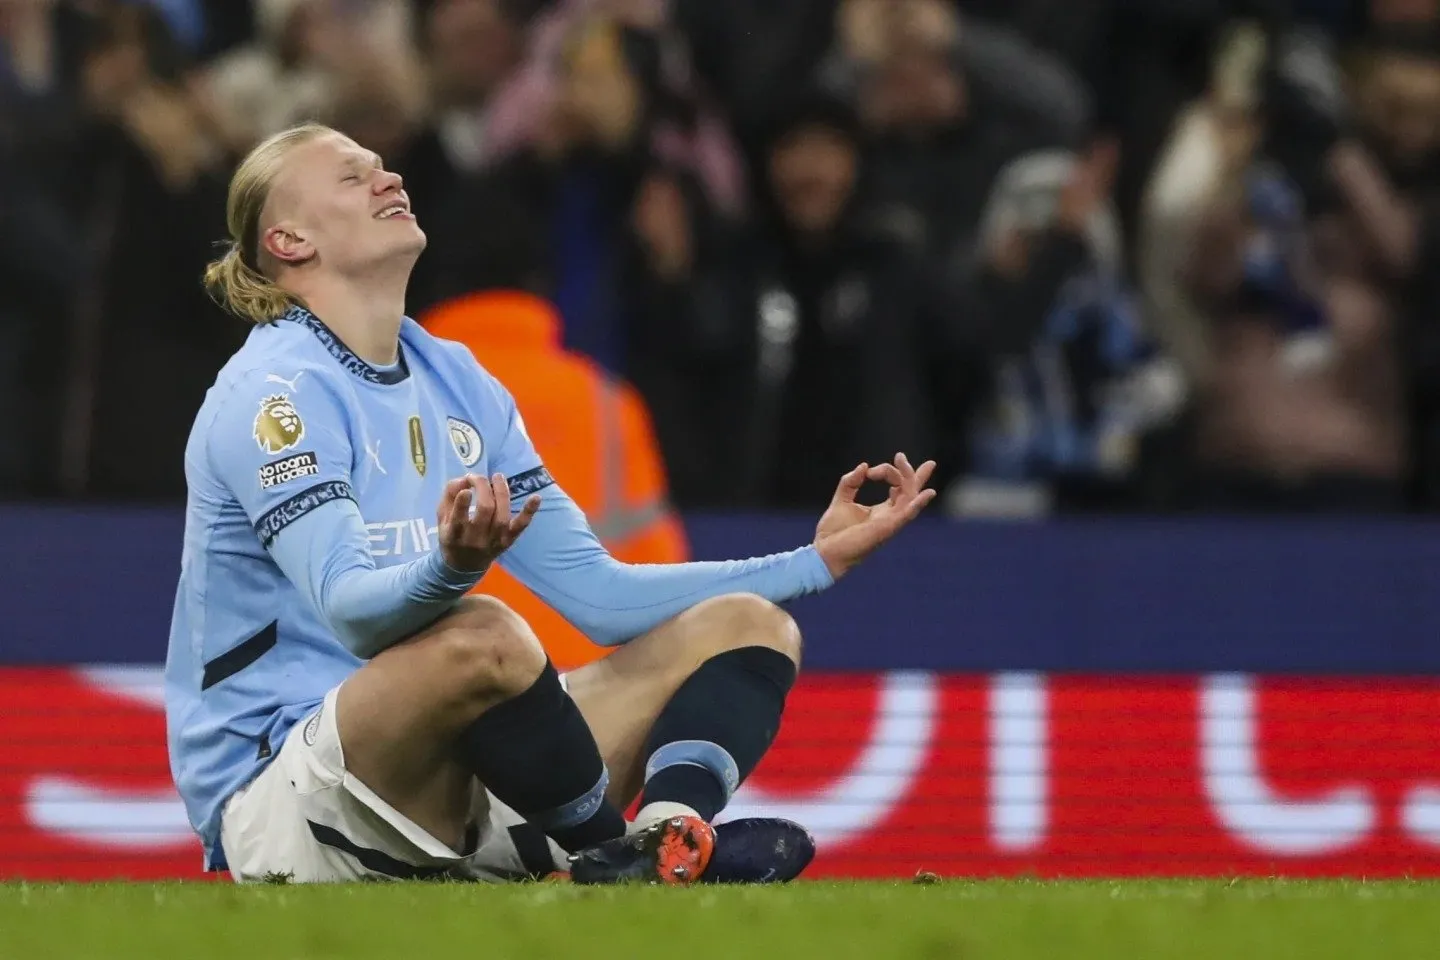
(489,650)
(743,620)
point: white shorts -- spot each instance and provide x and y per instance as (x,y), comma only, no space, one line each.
(307,819)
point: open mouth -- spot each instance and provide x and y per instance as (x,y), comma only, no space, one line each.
(398,209)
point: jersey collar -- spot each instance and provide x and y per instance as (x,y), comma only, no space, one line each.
(344,354)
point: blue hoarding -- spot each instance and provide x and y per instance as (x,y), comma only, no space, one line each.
(92,584)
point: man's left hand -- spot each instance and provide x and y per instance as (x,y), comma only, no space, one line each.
(850,531)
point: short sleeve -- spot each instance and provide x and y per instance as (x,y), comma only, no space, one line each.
(280,442)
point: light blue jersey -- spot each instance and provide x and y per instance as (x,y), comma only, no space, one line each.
(310,540)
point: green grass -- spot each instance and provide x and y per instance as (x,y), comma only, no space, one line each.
(954,920)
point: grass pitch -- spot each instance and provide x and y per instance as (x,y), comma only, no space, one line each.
(953,920)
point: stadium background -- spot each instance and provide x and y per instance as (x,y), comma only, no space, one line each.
(1107,654)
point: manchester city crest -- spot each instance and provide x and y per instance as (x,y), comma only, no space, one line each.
(466,441)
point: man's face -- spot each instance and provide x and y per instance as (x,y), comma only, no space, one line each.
(812,173)
(333,202)
(916,89)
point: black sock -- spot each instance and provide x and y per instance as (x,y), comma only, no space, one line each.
(713,732)
(536,753)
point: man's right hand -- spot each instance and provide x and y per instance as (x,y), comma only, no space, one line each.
(475,524)
(849,531)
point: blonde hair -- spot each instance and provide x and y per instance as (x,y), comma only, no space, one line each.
(236,281)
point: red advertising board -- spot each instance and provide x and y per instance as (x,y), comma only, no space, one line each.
(959,774)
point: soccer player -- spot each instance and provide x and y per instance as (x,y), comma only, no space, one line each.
(338,707)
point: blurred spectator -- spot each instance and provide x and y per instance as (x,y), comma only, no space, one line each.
(149,186)
(1003,69)
(746,51)
(344,62)
(470,47)
(934,254)
(41,253)
(613,125)
(820,339)
(939,139)
(958,134)
(1071,410)
(678,125)
(1386,173)
(1141,60)
(1212,144)
(1287,336)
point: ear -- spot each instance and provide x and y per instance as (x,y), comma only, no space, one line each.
(287,244)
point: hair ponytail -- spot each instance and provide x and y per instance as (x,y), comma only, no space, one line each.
(235,281)
(245,291)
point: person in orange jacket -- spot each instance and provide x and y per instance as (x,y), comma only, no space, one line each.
(593,431)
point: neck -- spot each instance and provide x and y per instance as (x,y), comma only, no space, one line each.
(364,312)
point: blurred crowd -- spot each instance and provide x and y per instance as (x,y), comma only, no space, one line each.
(1110,255)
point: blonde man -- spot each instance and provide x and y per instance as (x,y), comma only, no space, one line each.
(337,708)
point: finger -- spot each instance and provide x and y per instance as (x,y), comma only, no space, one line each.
(907,472)
(850,484)
(922,475)
(500,491)
(889,474)
(919,503)
(446,506)
(522,519)
(457,514)
(884,472)
(478,521)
